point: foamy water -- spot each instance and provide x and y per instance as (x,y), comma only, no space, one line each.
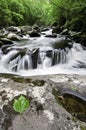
(75,58)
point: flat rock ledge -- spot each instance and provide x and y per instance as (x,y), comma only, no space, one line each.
(45,111)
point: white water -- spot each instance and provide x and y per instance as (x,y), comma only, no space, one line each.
(75,57)
(76,54)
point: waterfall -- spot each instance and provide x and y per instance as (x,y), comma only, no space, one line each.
(25,63)
(40,57)
(77,56)
(5,59)
(16,61)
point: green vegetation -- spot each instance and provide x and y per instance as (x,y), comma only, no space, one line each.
(83,127)
(69,14)
(21,104)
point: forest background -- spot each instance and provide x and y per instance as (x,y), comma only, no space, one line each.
(69,14)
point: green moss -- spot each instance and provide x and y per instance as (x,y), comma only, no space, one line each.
(73,103)
(21,80)
(38,82)
(74,119)
(83,127)
(56,94)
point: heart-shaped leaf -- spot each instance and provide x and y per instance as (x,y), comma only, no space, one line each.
(21,104)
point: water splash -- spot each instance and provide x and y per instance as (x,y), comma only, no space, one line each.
(38,56)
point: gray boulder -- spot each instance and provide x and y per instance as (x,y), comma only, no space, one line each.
(34,33)
(14,37)
(36,27)
(46,111)
(14,29)
(25,29)
(6,41)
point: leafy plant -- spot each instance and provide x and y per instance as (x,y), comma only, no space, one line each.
(21,104)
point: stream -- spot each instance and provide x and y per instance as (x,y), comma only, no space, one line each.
(43,55)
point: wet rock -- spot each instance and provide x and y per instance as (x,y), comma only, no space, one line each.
(34,56)
(14,29)
(71,96)
(1,43)
(25,29)
(2,35)
(51,36)
(79,38)
(22,52)
(36,27)
(57,29)
(45,29)
(1,115)
(63,44)
(80,65)
(74,103)
(6,41)
(13,37)
(34,33)
(5,49)
(49,53)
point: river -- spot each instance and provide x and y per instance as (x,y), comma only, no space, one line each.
(43,55)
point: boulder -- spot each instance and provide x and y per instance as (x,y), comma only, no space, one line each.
(36,27)
(44,29)
(5,49)
(25,29)
(34,55)
(54,35)
(71,94)
(6,41)
(14,29)
(1,43)
(78,37)
(3,33)
(34,33)
(63,44)
(50,103)
(56,29)
(14,37)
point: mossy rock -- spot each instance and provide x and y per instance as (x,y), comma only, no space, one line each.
(6,41)
(1,43)
(73,102)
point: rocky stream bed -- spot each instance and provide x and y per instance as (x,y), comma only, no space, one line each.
(57,102)
(58,96)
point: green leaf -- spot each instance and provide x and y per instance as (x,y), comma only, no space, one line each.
(21,104)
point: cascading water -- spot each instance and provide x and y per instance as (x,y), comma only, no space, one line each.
(38,56)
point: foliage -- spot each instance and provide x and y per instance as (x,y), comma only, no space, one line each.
(67,13)
(21,104)
(70,13)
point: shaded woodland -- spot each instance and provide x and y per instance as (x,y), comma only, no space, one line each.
(69,14)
